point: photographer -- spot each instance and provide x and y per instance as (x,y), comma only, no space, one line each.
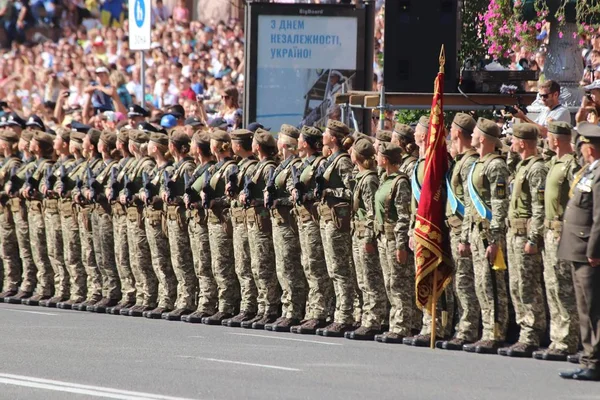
(591,101)
(549,93)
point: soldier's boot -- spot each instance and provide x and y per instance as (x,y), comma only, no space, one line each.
(454,344)
(138,311)
(216,318)
(157,313)
(67,305)
(34,300)
(248,324)
(522,350)
(362,333)
(309,327)
(409,340)
(18,298)
(92,307)
(195,317)
(269,327)
(266,319)
(337,330)
(551,355)
(574,358)
(423,340)
(125,310)
(483,347)
(285,325)
(389,337)
(176,315)
(116,310)
(236,322)
(88,303)
(52,302)
(7,293)
(105,304)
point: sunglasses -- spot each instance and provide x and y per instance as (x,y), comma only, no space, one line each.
(545,96)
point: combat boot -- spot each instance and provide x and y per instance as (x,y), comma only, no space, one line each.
(157,313)
(483,347)
(389,337)
(284,325)
(423,340)
(138,311)
(309,327)
(104,304)
(269,327)
(551,355)
(52,302)
(574,358)
(67,305)
(362,333)
(216,318)
(518,349)
(455,344)
(195,317)
(18,298)
(248,324)
(88,303)
(266,319)
(176,314)
(337,330)
(236,321)
(34,300)
(116,310)
(7,293)
(125,310)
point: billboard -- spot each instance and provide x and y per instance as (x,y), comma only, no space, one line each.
(300,56)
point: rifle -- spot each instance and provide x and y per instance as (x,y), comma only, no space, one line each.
(167,185)
(127,189)
(30,184)
(232,179)
(271,190)
(93,185)
(248,186)
(14,181)
(63,180)
(298,185)
(206,189)
(49,180)
(485,242)
(188,181)
(114,184)
(320,182)
(147,186)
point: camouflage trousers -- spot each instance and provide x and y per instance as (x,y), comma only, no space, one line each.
(370,282)
(160,253)
(399,283)
(243,264)
(105,245)
(289,269)
(467,326)
(21,223)
(560,294)
(221,249)
(10,251)
(54,242)
(321,298)
(39,251)
(72,251)
(525,285)
(208,293)
(338,258)
(88,256)
(128,292)
(146,282)
(181,258)
(262,257)
(483,289)
(441,330)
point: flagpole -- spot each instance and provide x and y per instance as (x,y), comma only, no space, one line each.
(434,309)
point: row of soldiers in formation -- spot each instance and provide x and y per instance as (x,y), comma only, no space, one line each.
(212,229)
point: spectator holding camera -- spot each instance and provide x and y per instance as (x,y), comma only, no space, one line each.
(549,93)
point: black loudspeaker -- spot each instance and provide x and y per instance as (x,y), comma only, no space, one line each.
(414,33)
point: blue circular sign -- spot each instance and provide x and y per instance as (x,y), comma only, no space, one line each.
(139,13)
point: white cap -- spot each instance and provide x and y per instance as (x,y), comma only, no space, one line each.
(593,85)
(100,70)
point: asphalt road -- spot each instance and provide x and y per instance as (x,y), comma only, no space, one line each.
(57,354)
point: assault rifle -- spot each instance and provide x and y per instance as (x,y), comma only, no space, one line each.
(206,189)
(298,185)
(127,189)
(114,184)
(248,186)
(271,190)
(49,179)
(147,186)
(320,182)
(168,185)
(94,186)
(232,179)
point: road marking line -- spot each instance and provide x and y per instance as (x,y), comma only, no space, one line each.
(69,387)
(244,363)
(289,339)
(27,312)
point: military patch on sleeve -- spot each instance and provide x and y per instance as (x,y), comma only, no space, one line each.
(540,193)
(501,189)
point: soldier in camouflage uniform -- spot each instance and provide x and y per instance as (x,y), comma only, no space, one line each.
(8,234)
(52,220)
(92,261)
(16,206)
(146,281)
(364,243)
(382,137)
(392,219)
(69,222)
(41,147)
(467,325)
(404,137)
(214,198)
(524,242)
(483,234)
(198,231)
(172,193)
(102,228)
(334,191)
(241,143)
(119,214)
(320,297)
(286,242)
(558,277)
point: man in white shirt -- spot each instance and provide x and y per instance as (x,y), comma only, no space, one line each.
(549,93)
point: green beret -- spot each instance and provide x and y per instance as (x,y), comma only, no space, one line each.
(109,138)
(364,147)
(384,136)
(359,135)
(27,135)
(391,151)
(525,131)
(180,137)
(589,133)
(490,129)
(159,138)
(138,136)
(44,137)
(94,135)
(123,135)
(424,121)
(264,138)
(311,131)
(241,134)
(201,138)
(404,130)
(464,122)
(338,127)
(560,128)
(220,136)
(289,130)
(64,133)
(8,135)
(75,137)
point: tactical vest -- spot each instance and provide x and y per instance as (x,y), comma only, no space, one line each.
(521,194)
